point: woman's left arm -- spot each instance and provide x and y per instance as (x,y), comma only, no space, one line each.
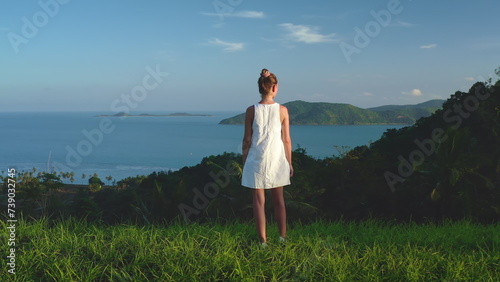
(285,136)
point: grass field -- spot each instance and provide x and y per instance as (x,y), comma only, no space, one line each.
(72,250)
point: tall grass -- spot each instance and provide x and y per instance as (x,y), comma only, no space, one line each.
(72,250)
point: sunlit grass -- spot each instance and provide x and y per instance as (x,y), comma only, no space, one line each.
(72,250)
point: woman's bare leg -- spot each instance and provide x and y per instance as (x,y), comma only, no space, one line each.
(259,214)
(279,210)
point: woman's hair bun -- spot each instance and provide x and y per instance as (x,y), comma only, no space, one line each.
(265,73)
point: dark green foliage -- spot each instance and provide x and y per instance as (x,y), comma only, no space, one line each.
(50,181)
(446,165)
(458,175)
(95,183)
(38,195)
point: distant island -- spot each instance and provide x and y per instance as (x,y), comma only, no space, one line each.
(123,114)
(307,113)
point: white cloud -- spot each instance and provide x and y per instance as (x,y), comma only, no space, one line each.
(367,94)
(430,46)
(306,34)
(241,14)
(402,24)
(250,14)
(414,92)
(227,46)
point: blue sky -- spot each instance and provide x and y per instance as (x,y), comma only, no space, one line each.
(151,55)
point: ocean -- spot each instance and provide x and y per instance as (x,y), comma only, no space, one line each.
(122,147)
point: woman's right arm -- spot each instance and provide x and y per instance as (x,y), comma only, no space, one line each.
(247,137)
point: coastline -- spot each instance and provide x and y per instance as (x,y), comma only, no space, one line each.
(154,115)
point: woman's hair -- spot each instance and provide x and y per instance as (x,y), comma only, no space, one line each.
(266,81)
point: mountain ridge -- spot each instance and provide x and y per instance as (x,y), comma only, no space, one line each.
(324,113)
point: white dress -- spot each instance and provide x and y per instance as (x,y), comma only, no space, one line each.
(266,165)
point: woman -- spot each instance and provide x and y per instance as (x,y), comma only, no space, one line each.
(267,154)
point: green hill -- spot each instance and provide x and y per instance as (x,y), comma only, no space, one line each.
(431,104)
(306,113)
(412,111)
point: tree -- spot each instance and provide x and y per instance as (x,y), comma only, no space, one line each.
(72,177)
(109,178)
(95,183)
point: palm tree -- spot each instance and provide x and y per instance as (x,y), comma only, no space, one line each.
(109,178)
(72,177)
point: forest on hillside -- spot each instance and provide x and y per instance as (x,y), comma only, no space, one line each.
(319,113)
(444,166)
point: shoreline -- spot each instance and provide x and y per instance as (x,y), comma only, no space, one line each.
(119,115)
